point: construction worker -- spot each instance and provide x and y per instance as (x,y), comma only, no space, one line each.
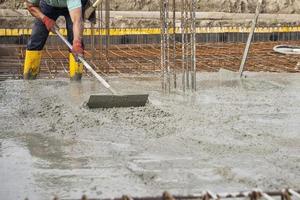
(46,12)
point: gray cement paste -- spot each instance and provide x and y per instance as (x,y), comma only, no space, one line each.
(230,135)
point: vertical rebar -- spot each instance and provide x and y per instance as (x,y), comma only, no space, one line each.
(193,42)
(187,38)
(101,29)
(182,26)
(92,39)
(168,47)
(162,46)
(188,44)
(174,44)
(107,27)
(165,46)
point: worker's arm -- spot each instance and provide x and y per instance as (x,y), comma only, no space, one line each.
(76,16)
(34,10)
(37,13)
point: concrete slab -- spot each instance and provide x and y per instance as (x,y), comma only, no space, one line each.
(231,135)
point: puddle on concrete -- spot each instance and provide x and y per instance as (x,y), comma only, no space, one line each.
(41,167)
(16,167)
(231,135)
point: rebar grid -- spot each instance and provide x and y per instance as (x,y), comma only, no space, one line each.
(141,53)
(145,58)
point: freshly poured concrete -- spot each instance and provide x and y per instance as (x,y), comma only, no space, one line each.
(231,135)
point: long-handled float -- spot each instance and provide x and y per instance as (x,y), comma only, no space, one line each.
(108,101)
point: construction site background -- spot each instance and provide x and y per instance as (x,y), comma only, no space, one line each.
(237,6)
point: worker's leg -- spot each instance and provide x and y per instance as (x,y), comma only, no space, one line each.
(36,43)
(34,50)
(76,68)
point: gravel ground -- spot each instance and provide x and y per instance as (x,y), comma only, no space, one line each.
(231,135)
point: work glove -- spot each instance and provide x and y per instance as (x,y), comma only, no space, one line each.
(50,24)
(77,49)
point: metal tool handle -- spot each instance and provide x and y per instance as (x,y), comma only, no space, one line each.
(250,37)
(96,3)
(86,64)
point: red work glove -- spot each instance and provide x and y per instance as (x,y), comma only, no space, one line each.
(77,48)
(49,23)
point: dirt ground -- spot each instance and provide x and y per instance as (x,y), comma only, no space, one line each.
(230,135)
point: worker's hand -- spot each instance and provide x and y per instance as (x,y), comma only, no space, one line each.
(50,24)
(77,49)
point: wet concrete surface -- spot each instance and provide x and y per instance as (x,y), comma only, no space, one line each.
(231,135)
